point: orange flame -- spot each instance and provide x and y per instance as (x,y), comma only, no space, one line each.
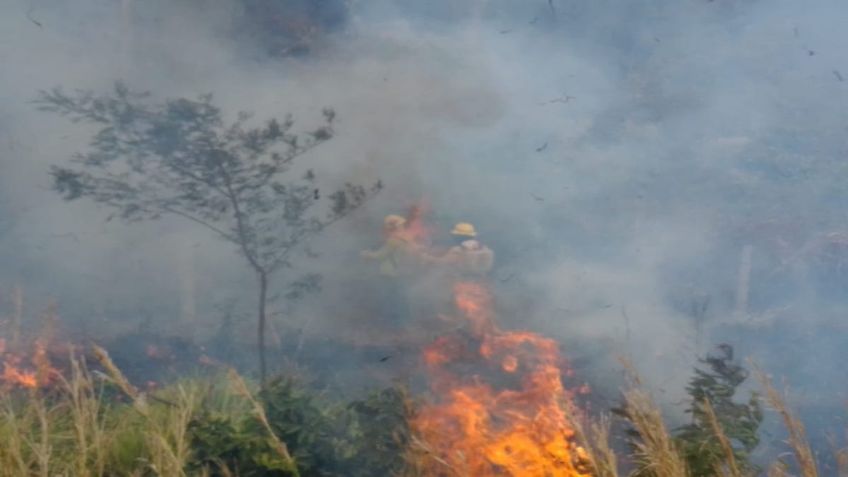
(15,374)
(416,229)
(516,425)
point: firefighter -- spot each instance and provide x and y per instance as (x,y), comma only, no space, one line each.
(394,257)
(468,258)
(392,254)
(467,261)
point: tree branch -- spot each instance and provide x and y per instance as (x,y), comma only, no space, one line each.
(200,222)
(240,226)
(305,231)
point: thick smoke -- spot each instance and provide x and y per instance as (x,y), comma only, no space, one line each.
(618,156)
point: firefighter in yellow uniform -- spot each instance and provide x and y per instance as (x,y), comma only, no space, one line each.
(469,258)
(395,258)
(391,254)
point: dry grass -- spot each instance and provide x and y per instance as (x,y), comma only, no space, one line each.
(88,425)
(119,380)
(797,434)
(841,457)
(731,468)
(167,433)
(14,459)
(604,458)
(654,450)
(72,430)
(595,439)
(592,438)
(778,469)
(655,447)
(259,412)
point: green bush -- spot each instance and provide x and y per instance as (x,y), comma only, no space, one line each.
(362,438)
(740,422)
(223,447)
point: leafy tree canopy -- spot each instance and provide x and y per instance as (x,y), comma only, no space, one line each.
(182,158)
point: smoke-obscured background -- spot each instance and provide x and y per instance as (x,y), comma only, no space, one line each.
(625,160)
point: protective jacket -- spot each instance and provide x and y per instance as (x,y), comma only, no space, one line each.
(394,255)
(471,258)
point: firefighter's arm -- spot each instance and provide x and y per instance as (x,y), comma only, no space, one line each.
(428,258)
(449,257)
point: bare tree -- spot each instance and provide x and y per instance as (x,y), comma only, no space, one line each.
(181,158)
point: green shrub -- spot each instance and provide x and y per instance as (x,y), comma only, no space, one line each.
(362,438)
(223,447)
(740,422)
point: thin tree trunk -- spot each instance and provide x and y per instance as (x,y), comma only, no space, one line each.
(743,280)
(263,296)
(126,38)
(188,293)
(17,315)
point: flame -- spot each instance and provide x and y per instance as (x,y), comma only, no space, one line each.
(15,374)
(515,424)
(416,229)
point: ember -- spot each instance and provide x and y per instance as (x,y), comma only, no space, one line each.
(480,428)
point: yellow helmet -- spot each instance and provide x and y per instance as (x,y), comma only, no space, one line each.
(464,229)
(394,221)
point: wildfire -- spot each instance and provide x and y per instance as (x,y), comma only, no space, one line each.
(416,229)
(514,424)
(15,374)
